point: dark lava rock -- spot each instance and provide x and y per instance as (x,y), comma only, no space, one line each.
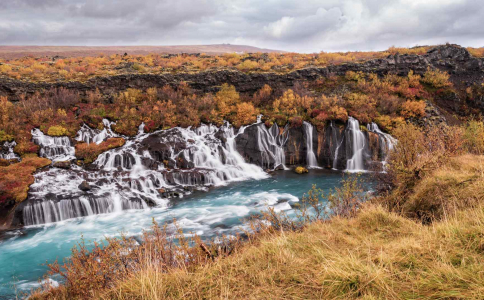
(84,186)
(62,164)
(451,58)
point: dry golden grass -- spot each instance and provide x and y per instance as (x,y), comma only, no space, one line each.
(377,255)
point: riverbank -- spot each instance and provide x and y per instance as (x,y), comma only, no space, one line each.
(218,211)
(377,254)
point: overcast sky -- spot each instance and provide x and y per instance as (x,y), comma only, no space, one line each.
(292,25)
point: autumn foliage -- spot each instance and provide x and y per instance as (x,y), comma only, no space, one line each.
(83,68)
(89,152)
(387,100)
(15,179)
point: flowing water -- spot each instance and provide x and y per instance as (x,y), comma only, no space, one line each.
(311,157)
(271,143)
(195,175)
(219,211)
(6,150)
(356,142)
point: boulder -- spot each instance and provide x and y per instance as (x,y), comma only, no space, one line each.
(84,186)
(279,168)
(62,164)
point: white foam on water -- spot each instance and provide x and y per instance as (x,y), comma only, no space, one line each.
(6,151)
(90,135)
(55,148)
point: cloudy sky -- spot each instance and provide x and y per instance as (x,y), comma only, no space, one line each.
(293,25)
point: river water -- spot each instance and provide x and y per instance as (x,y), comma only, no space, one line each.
(221,210)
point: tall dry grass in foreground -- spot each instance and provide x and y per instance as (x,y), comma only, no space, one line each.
(377,254)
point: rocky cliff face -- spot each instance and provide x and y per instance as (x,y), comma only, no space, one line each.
(276,147)
(151,168)
(451,58)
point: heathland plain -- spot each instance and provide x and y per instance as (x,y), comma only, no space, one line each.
(113,141)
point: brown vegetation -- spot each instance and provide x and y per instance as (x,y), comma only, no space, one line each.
(15,179)
(80,68)
(89,152)
(387,100)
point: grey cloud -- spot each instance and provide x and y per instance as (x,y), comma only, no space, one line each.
(308,26)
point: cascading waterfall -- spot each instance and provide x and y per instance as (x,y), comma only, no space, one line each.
(312,162)
(199,157)
(7,151)
(225,162)
(89,135)
(271,144)
(152,167)
(387,141)
(58,148)
(50,211)
(334,137)
(356,141)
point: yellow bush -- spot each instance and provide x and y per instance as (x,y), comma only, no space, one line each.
(57,130)
(226,99)
(248,65)
(413,109)
(437,78)
(301,170)
(246,114)
(474,137)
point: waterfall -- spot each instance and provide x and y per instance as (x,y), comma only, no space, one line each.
(223,162)
(387,141)
(152,167)
(356,141)
(55,148)
(147,169)
(334,138)
(89,135)
(312,162)
(7,150)
(50,211)
(271,144)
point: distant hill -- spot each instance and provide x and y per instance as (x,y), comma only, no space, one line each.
(13,52)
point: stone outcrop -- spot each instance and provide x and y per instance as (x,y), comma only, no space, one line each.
(452,58)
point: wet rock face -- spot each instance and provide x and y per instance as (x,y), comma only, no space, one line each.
(84,186)
(249,147)
(62,164)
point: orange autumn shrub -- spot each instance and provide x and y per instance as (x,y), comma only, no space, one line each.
(83,68)
(413,109)
(388,123)
(436,78)
(246,114)
(89,152)
(15,179)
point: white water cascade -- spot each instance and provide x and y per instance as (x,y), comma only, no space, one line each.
(49,211)
(337,144)
(271,144)
(151,168)
(356,144)
(312,162)
(146,170)
(58,148)
(89,135)
(6,151)
(387,141)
